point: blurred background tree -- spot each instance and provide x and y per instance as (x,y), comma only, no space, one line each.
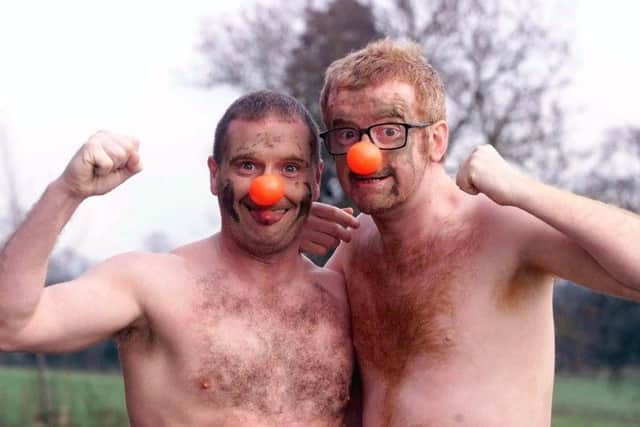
(504,71)
(594,330)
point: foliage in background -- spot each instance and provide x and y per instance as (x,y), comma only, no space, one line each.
(98,400)
(504,71)
(502,67)
(79,400)
(594,330)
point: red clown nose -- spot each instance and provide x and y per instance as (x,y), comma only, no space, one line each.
(266,190)
(364,158)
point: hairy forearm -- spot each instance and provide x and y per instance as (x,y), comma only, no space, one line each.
(609,234)
(24,257)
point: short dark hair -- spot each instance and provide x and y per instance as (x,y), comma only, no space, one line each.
(258,105)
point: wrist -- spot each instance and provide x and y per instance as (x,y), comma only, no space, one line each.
(528,191)
(66,192)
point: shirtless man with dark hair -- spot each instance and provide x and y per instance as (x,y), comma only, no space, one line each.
(235,330)
(451,283)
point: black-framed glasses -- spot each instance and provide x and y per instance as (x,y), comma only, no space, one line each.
(386,136)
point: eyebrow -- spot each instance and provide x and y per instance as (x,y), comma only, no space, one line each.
(394,110)
(297,159)
(242,155)
(250,155)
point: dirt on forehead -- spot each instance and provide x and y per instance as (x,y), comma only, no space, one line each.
(271,351)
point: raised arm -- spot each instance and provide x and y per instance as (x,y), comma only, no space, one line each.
(607,235)
(31,316)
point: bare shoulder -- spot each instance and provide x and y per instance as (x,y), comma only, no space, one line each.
(330,281)
(359,237)
(504,221)
(139,269)
(152,269)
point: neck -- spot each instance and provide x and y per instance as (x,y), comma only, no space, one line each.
(269,268)
(423,214)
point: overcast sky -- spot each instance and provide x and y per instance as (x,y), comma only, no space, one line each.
(70,68)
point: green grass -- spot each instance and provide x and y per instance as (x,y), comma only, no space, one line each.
(97,400)
(78,399)
(596,402)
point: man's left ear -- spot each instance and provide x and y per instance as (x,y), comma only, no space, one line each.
(439,141)
(213,174)
(317,180)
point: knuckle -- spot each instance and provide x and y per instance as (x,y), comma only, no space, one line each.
(92,144)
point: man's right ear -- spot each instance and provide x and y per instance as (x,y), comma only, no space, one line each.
(213,175)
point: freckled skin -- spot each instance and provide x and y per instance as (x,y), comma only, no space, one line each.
(450,327)
(218,349)
(239,328)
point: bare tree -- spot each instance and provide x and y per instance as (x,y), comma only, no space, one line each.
(63,266)
(12,219)
(614,175)
(14,215)
(503,69)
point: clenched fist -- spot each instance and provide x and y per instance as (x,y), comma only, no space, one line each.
(105,161)
(485,171)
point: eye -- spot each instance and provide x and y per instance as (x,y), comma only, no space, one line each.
(347,135)
(247,166)
(290,169)
(388,132)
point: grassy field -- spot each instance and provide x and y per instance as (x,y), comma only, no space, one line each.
(96,400)
(78,399)
(596,402)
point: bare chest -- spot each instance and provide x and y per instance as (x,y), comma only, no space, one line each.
(408,306)
(270,352)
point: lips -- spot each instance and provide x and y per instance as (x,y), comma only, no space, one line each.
(368,179)
(266,215)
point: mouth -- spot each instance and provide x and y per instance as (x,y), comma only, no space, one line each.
(369,179)
(266,215)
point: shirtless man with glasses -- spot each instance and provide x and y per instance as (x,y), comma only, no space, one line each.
(450,282)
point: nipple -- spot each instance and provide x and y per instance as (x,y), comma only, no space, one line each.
(266,190)
(364,158)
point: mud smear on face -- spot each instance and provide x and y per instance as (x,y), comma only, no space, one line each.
(305,203)
(228,196)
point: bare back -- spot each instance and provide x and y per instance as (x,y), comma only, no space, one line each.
(448,329)
(215,350)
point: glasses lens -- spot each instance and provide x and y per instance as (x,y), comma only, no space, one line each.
(388,135)
(341,139)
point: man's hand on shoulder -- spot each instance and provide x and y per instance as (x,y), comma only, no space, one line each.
(326,226)
(105,161)
(485,171)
